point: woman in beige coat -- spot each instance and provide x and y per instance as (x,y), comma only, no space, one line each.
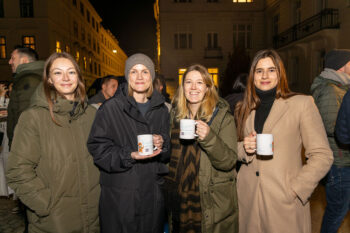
(273,191)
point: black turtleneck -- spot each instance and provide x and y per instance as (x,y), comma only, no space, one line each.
(266,101)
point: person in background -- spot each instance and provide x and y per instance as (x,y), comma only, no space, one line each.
(49,166)
(328,90)
(5,190)
(201,185)
(274,191)
(238,91)
(109,86)
(131,197)
(27,74)
(159,85)
(342,129)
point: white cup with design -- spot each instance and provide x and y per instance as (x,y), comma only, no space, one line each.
(145,144)
(188,129)
(264,144)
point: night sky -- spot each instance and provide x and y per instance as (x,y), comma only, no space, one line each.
(132,22)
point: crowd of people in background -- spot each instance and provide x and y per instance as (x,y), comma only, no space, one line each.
(77,164)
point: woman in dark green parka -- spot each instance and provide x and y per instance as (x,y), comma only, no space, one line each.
(201,185)
(49,167)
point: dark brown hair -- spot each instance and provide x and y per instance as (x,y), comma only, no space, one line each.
(49,89)
(251,101)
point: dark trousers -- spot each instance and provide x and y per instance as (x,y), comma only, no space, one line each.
(338,198)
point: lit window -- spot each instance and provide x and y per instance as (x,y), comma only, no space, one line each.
(181,73)
(67,49)
(242,1)
(242,36)
(29,41)
(26,8)
(2,47)
(77,56)
(85,63)
(214,73)
(182,0)
(58,47)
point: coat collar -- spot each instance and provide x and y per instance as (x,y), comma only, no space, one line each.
(279,108)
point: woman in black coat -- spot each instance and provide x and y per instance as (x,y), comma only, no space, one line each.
(131,198)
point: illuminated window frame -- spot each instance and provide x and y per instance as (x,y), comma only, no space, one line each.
(242,1)
(2,47)
(28,41)
(214,74)
(58,47)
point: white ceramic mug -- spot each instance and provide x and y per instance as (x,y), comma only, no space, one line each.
(264,144)
(187,129)
(145,144)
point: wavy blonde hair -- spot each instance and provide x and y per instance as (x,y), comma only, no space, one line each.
(208,103)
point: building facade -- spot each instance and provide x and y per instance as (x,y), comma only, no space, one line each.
(303,31)
(207,31)
(60,25)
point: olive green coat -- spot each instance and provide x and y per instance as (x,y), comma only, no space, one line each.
(26,80)
(217,176)
(51,170)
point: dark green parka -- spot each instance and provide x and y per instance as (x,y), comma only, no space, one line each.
(26,80)
(217,174)
(51,170)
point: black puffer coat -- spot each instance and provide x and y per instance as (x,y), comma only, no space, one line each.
(131,198)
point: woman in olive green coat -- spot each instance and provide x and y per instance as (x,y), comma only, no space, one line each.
(49,167)
(201,185)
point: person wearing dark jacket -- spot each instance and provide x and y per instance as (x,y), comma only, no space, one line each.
(328,90)
(27,74)
(49,166)
(131,198)
(201,185)
(342,127)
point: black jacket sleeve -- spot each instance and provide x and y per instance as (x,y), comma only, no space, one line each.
(165,127)
(106,153)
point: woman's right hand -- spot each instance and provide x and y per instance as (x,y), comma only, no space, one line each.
(249,143)
(135,155)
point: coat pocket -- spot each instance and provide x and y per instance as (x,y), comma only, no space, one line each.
(224,197)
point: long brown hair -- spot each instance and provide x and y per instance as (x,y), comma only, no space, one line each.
(209,101)
(251,101)
(49,89)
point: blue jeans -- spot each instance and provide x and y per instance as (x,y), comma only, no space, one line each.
(338,198)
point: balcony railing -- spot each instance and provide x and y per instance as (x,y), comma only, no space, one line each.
(213,53)
(328,18)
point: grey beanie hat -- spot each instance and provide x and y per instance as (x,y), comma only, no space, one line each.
(337,58)
(139,58)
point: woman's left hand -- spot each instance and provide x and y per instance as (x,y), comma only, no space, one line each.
(158,141)
(202,129)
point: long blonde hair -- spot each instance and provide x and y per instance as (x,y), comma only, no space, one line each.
(209,101)
(50,89)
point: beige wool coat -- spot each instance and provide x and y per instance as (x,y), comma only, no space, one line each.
(266,186)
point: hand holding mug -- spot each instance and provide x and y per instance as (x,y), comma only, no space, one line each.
(135,155)
(249,143)
(202,129)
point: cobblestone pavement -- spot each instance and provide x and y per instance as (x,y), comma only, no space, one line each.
(9,222)
(13,223)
